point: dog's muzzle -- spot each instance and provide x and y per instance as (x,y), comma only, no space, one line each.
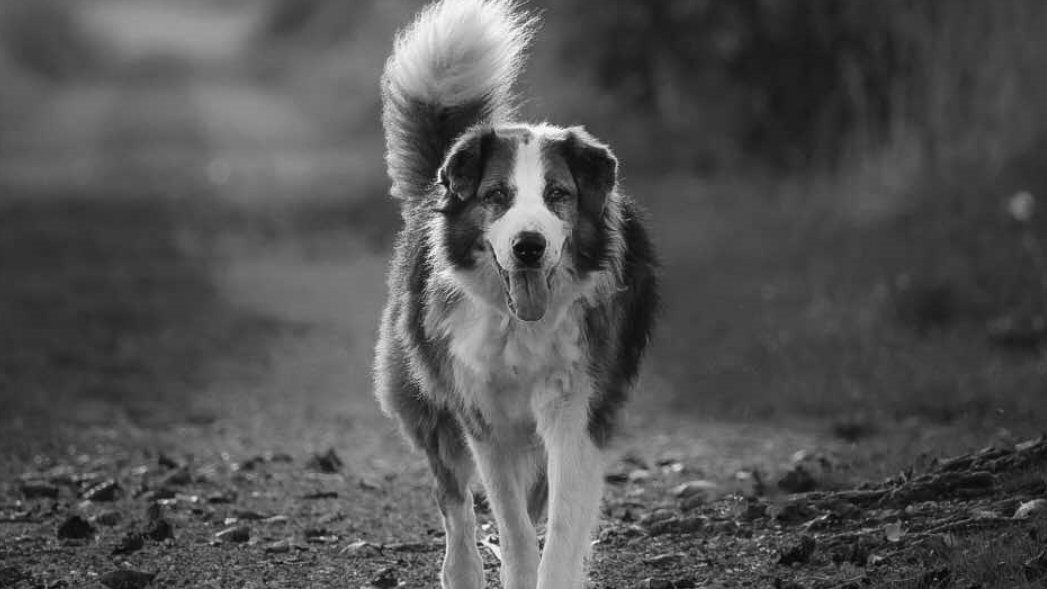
(527,282)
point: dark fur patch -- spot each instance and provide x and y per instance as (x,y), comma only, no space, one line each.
(618,333)
(594,171)
(482,160)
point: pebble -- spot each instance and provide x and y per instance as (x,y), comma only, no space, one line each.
(107,490)
(130,543)
(362,548)
(75,528)
(39,490)
(696,487)
(798,553)
(676,525)
(107,518)
(664,559)
(235,534)
(279,547)
(385,579)
(328,462)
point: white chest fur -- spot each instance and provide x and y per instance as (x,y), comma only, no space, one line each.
(506,368)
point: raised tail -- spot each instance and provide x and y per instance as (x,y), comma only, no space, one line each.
(453,67)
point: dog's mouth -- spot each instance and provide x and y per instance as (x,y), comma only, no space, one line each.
(526,291)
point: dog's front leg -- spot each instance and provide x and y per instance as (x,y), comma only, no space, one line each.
(575,471)
(508,468)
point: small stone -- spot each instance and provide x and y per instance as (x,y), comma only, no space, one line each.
(107,518)
(328,462)
(799,553)
(794,512)
(235,534)
(665,559)
(411,547)
(797,480)
(385,579)
(676,525)
(39,490)
(165,461)
(693,502)
(652,583)
(656,516)
(221,497)
(177,478)
(893,532)
(692,488)
(370,484)
(159,530)
(248,515)
(640,475)
(107,490)
(276,519)
(75,528)
(279,547)
(1030,509)
(160,494)
(362,548)
(130,543)
(754,511)
(126,579)
(319,536)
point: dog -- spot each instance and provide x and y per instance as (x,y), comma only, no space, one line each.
(522,294)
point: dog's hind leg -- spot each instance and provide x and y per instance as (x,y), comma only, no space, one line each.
(508,467)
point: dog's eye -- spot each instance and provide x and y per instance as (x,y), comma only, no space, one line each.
(556,194)
(496,196)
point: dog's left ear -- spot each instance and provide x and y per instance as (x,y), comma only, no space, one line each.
(594,167)
(460,174)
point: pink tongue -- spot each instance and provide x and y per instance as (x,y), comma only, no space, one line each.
(529,294)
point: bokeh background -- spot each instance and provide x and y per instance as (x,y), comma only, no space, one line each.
(194,221)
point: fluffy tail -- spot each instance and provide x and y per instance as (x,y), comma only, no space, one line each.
(452,68)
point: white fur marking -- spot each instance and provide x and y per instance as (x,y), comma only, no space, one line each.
(529,211)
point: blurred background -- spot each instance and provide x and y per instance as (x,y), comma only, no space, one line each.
(194,223)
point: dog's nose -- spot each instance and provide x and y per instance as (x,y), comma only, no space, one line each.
(528,247)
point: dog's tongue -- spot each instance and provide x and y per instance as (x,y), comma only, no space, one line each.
(528,294)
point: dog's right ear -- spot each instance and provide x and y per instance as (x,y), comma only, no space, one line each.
(460,175)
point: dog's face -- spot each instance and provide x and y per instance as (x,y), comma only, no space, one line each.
(527,203)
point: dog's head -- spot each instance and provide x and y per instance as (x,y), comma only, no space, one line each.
(524,207)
